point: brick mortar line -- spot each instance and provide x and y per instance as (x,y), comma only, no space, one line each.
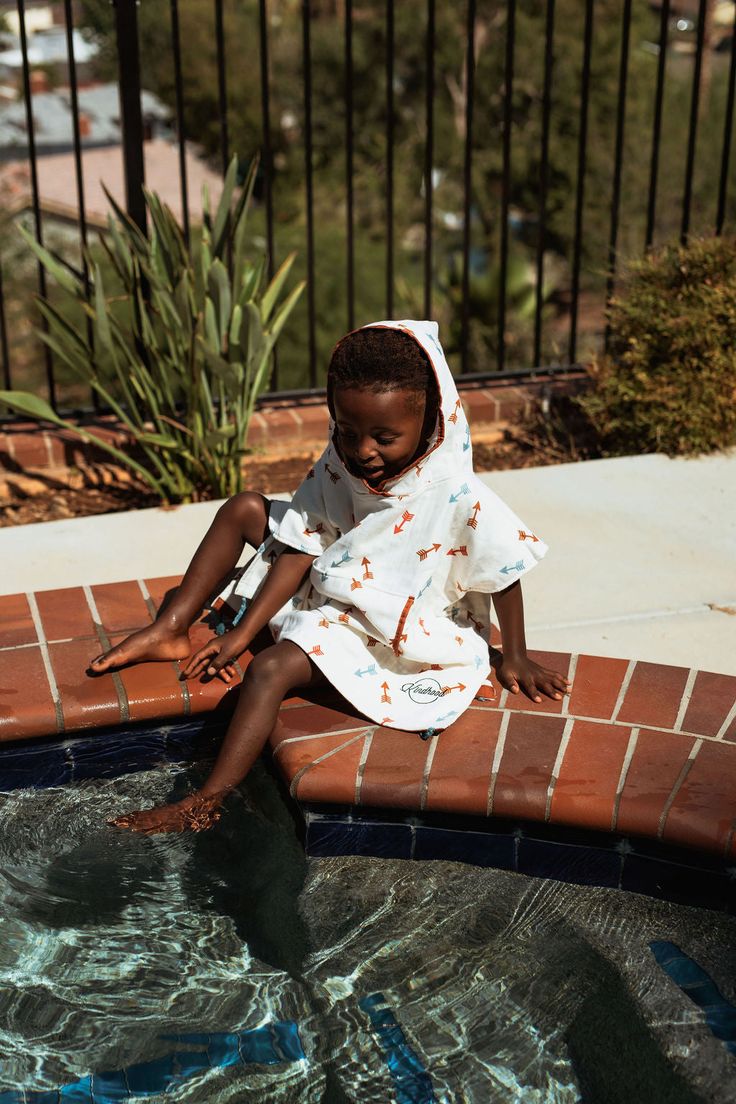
(623,775)
(730,717)
(46,657)
(153,613)
(318,736)
(555,774)
(623,691)
(360,769)
(687,694)
(123,703)
(572,668)
(625,724)
(294,784)
(424,787)
(497,756)
(686,767)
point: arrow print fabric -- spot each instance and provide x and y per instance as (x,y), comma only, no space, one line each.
(401,645)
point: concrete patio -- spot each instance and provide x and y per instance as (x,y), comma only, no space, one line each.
(642,560)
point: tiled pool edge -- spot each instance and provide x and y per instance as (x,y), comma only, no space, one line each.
(638,749)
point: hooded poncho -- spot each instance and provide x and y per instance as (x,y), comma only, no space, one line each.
(396,609)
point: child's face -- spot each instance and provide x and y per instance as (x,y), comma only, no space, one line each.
(379,434)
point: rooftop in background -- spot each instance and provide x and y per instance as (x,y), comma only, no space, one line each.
(58,187)
(99,120)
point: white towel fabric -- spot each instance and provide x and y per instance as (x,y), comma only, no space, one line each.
(396,609)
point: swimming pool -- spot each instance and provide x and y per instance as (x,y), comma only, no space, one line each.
(228,966)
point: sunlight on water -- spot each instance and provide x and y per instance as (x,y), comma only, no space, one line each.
(225,967)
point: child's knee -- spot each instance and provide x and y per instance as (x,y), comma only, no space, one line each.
(281,667)
(246,511)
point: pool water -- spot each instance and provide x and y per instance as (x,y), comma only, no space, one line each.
(227,967)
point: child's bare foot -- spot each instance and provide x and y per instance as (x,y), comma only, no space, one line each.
(155,642)
(195,813)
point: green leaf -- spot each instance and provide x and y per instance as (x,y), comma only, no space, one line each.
(273,290)
(218,286)
(55,268)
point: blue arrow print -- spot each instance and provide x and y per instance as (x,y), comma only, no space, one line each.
(512,567)
(345,557)
(466,442)
(464,490)
(367,671)
(425,587)
(411,1080)
(271,1045)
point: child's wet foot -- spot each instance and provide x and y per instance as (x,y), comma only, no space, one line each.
(150,644)
(195,813)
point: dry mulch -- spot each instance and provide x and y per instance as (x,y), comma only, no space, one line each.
(46,496)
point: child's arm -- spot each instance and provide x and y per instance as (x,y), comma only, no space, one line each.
(282,582)
(515,670)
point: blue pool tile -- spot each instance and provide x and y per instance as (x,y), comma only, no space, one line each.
(569,862)
(488,849)
(34,764)
(720,1014)
(112,756)
(688,885)
(341,837)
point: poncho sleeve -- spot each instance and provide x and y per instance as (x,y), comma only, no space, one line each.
(502,548)
(304,523)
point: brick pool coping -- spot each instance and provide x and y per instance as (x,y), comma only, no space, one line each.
(26,445)
(637,748)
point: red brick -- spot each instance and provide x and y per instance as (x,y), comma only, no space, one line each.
(530,751)
(394,769)
(86,701)
(65,614)
(703,814)
(712,700)
(585,790)
(461,768)
(314,422)
(26,705)
(480,407)
(29,450)
(16,623)
(159,588)
(121,606)
(654,695)
(281,424)
(596,686)
(310,720)
(153,689)
(332,780)
(653,771)
(556,661)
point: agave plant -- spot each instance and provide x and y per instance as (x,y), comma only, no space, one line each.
(178,345)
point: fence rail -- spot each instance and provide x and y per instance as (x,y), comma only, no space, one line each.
(484,195)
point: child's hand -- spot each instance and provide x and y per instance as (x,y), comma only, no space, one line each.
(217,657)
(517,673)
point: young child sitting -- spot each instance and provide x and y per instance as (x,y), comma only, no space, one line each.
(377,577)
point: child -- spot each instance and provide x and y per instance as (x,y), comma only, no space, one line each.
(377,577)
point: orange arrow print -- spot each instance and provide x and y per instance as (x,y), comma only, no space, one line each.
(385,696)
(319,529)
(473,521)
(479,626)
(527,536)
(310,474)
(387,720)
(333,475)
(461,551)
(365,563)
(449,689)
(453,416)
(344,615)
(460,641)
(400,637)
(371,641)
(421,622)
(323,623)
(316,650)
(405,517)
(422,553)
(356,585)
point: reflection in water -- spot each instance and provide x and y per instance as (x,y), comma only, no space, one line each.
(225,967)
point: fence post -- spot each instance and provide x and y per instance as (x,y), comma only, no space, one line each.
(126,29)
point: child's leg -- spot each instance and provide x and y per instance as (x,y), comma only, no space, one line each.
(267,680)
(242,520)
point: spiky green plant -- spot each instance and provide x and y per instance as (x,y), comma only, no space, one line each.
(179,349)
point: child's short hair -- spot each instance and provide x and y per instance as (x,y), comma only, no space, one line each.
(378,359)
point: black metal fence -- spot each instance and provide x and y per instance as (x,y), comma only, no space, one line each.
(698,61)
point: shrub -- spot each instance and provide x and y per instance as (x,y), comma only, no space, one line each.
(668,383)
(179,342)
